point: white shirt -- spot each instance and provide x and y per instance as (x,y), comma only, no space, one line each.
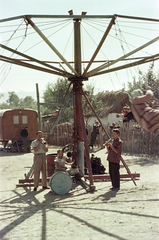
(35,144)
(60,163)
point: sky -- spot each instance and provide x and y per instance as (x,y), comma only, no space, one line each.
(16,78)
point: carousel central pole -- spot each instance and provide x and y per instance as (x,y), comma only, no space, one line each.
(79,126)
(78,136)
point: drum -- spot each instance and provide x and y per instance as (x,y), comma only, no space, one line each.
(61,182)
(50,164)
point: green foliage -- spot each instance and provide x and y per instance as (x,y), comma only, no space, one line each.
(4,106)
(56,92)
(144,80)
(14,101)
(28,102)
(96,103)
(1,95)
(150,79)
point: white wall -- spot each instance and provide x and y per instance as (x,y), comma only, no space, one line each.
(105,121)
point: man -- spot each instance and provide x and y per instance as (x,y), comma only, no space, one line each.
(114,155)
(40,148)
(24,135)
(128,115)
(94,133)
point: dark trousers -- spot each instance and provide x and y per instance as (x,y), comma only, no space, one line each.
(114,174)
(93,138)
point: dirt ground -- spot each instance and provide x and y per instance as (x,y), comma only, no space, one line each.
(131,213)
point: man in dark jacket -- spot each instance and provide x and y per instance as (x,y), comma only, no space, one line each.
(24,135)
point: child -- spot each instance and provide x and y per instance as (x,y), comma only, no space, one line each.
(114,154)
(60,161)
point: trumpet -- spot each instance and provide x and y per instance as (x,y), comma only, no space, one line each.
(104,144)
(43,141)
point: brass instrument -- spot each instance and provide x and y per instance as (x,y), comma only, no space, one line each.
(104,144)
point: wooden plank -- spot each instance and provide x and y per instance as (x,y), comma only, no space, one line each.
(100,177)
(25,185)
(107,176)
(27,176)
(31,180)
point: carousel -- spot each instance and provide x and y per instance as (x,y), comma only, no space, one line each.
(77,71)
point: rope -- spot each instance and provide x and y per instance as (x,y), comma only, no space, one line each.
(5,76)
(147,29)
(121,43)
(67,42)
(95,42)
(11,37)
(47,37)
(112,82)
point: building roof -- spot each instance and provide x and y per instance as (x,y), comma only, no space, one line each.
(2,111)
(113,102)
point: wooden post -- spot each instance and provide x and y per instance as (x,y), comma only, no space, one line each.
(38,103)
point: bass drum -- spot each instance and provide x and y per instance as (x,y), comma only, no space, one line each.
(61,182)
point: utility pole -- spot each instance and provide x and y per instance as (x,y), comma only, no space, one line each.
(38,104)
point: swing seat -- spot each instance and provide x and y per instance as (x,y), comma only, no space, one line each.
(154,123)
(148,118)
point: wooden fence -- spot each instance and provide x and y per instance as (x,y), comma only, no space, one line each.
(61,136)
(135,139)
(139,141)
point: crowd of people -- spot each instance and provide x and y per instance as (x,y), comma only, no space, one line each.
(40,148)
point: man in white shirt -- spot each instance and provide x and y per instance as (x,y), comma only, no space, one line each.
(39,149)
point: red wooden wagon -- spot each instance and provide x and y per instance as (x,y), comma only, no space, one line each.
(12,121)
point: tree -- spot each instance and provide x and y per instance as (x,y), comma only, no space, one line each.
(28,102)
(150,79)
(96,104)
(56,92)
(144,80)
(1,95)
(13,99)
(4,105)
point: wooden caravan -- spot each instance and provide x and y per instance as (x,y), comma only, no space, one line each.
(12,121)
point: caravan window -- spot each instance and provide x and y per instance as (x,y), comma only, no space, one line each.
(24,120)
(16,119)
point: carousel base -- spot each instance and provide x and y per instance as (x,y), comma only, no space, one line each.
(102,177)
